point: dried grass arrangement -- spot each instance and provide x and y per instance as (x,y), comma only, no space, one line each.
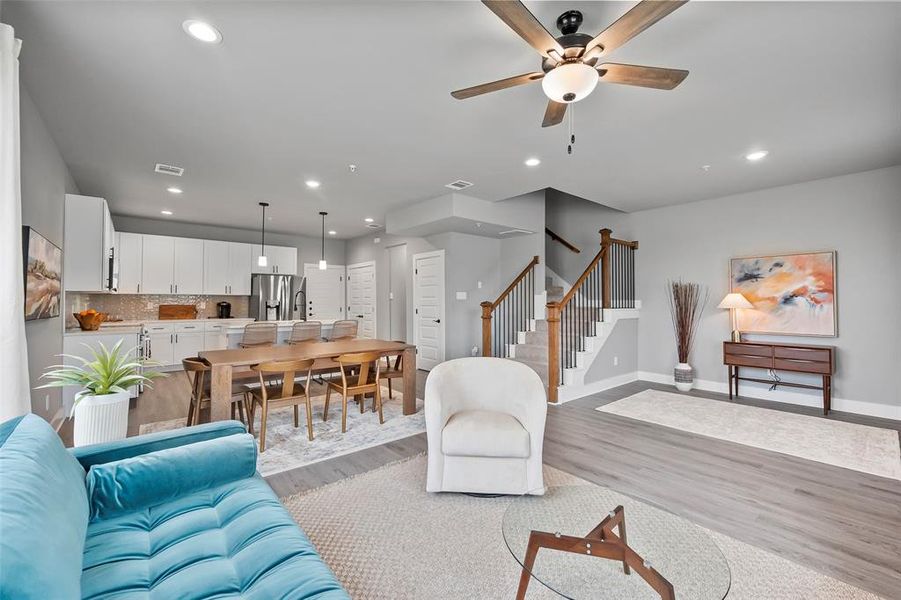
(686,304)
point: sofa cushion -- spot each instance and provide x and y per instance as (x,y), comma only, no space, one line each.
(484,433)
(231,540)
(157,477)
(43,513)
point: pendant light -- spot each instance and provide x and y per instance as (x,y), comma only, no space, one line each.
(322,264)
(262,261)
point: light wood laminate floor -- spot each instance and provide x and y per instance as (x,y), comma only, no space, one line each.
(843,523)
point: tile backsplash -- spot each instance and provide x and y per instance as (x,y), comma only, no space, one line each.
(131,307)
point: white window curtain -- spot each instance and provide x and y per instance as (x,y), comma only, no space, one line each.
(15,398)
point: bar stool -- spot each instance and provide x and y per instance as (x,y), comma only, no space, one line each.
(344,329)
(196,370)
(367,382)
(306,331)
(259,334)
(283,394)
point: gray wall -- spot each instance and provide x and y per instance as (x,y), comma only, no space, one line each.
(516,252)
(857,215)
(620,345)
(578,221)
(45,182)
(308,248)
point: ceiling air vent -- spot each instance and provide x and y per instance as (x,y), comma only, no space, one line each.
(373,226)
(169,170)
(459,185)
(512,231)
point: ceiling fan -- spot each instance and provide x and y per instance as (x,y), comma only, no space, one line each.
(569,68)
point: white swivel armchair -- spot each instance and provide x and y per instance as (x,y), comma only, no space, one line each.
(485,426)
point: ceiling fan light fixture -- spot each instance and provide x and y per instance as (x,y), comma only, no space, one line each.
(569,82)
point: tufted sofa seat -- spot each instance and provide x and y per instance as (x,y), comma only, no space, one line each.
(179,514)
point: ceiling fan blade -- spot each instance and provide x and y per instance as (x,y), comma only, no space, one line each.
(500,84)
(649,77)
(519,19)
(554,113)
(640,17)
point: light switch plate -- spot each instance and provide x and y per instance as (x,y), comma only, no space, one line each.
(462,295)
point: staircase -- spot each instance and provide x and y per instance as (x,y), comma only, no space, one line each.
(562,347)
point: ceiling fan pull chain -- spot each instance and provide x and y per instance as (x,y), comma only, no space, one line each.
(572,135)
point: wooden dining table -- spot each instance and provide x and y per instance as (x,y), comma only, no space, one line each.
(223,362)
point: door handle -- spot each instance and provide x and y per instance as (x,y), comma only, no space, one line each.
(437,320)
(360,317)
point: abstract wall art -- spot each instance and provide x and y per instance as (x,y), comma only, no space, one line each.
(43,266)
(792,294)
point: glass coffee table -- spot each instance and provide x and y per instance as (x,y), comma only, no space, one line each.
(585,541)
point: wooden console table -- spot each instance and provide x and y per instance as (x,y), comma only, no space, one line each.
(797,358)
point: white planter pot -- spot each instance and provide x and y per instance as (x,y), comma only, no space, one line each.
(684,377)
(101,418)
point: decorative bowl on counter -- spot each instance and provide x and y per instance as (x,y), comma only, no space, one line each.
(89,320)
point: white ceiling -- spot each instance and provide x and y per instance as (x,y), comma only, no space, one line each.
(299,90)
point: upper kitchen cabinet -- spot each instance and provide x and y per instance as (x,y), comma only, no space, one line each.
(129,257)
(172,265)
(279,259)
(226,268)
(89,241)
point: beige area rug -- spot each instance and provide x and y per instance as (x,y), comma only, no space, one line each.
(859,447)
(387,538)
(288,447)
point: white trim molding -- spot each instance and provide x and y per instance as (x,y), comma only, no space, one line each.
(860,407)
(566,393)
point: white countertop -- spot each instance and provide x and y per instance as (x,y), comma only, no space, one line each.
(135,326)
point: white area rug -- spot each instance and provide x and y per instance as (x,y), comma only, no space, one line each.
(287,447)
(858,447)
(386,537)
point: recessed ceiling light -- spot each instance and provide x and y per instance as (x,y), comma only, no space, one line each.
(369,219)
(312,184)
(166,212)
(333,232)
(174,190)
(533,162)
(202,31)
(756,155)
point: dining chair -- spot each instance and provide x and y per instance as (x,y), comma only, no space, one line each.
(305,331)
(277,395)
(395,371)
(259,334)
(197,370)
(344,329)
(365,380)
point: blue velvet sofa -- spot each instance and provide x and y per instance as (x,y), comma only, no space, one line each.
(179,514)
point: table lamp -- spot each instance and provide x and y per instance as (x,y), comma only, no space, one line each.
(734,301)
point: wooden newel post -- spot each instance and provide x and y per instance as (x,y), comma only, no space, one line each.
(553,350)
(487,307)
(606,287)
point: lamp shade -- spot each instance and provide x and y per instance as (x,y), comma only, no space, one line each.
(735,300)
(569,82)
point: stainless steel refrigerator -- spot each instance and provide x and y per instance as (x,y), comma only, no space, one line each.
(278,297)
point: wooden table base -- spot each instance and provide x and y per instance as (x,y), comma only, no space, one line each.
(600,542)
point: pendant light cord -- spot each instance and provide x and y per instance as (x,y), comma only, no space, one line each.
(322,247)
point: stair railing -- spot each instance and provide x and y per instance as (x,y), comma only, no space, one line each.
(607,282)
(511,313)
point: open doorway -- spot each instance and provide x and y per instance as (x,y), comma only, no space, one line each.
(397,292)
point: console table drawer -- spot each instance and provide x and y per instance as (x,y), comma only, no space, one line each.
(739,360)
(811,354)
(802,366)
(748,349)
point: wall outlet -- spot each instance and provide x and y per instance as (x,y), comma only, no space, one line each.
(462,295)
(480,284)
(376,240)
(475,350)
(615,361)
(47,403)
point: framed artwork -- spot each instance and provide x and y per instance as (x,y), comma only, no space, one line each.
(43,266)
(792,294)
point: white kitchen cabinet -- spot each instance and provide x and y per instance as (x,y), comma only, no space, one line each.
(88,245)
(239,261)
(187,344)
(187,270)
(215,336)
(129,252)
(157,275)
(279,259)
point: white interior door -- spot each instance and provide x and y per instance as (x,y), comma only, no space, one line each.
(428,308)
(325,292)
(361,297)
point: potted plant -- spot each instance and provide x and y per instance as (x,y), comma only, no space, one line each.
(686,303)
(101,406)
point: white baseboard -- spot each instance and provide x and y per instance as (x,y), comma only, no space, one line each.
(859,407)
(566,393)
